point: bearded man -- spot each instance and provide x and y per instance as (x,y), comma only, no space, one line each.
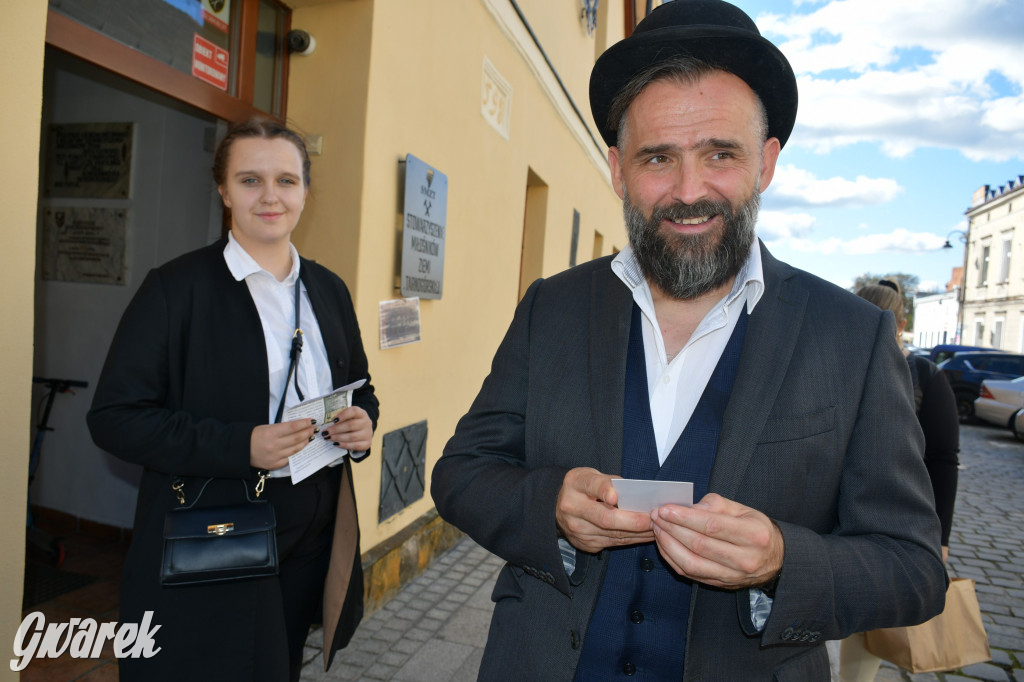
(693,356)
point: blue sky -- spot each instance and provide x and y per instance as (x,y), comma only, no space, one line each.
(906,108)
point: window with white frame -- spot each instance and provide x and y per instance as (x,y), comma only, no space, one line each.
(979,332)
(1004,262)
(997,332)
(983,266)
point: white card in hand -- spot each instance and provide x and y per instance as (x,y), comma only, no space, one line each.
(643,496)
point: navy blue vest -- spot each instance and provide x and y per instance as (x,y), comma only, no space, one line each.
(638,628)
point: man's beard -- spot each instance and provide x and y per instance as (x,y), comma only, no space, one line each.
(686,266)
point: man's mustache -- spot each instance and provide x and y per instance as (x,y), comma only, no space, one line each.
(679,210)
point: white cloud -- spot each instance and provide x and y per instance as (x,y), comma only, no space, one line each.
(897,241)
(1004,114)
(908,74)
(775,225)
(794,186)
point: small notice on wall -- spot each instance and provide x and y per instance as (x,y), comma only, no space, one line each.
(217,13)
(84,244)
(89,160)
(399,322)
(209,62)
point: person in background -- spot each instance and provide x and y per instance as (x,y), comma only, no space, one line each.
(937,415)
(196,377)
(693,355)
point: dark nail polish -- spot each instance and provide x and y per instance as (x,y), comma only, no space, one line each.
(316,430)
(336,420)
(313,422)
(325,435)
(311,439)
(337,444)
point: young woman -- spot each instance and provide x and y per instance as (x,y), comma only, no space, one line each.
(191,390)
(940,423)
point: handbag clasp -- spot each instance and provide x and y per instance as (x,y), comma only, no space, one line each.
(177,488)
(220,528)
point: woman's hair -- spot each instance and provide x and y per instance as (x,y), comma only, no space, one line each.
(885,296)
(266,128)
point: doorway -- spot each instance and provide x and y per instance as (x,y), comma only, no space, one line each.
(82,499)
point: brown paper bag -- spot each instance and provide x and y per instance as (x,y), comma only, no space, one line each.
(953,639)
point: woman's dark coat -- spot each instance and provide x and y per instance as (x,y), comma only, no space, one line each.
(184,384)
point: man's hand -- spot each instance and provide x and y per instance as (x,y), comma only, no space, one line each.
(719,542)
(587,515)
(352,429)
(271,445)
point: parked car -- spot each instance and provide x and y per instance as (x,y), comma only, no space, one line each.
(999,399)
(966,371)
(1017,424)
(944,351)
(917,350)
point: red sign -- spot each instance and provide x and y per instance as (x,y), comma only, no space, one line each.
(209,62)
(214,21)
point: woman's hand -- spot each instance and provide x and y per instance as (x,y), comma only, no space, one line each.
(352,430)
(271,445)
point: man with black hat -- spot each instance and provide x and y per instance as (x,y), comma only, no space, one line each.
(693,356)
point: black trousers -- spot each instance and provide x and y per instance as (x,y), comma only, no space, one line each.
(305,528)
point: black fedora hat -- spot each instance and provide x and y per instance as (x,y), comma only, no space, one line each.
(712,30)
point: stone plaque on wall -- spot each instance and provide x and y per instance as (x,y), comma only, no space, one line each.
(84,244)
(89,160)
(496,99)
(402,469)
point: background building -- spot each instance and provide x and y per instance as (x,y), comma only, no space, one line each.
(993,308)
(935,318)
(937,315)
(490,93)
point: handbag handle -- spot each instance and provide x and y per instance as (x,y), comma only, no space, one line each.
(178,484)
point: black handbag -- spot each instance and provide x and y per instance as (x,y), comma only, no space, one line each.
(212,544)
(230,542)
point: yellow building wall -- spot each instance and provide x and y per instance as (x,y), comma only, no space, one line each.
(327,97)
(405,77)
(22,35)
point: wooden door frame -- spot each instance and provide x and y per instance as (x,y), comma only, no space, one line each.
(91,46)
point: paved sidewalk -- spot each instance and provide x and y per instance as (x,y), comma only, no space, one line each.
(434,630)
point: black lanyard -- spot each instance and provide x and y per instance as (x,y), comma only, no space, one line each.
(294,355)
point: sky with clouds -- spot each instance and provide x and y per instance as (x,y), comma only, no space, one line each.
(906,108)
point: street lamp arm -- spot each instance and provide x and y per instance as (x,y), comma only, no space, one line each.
(961,233)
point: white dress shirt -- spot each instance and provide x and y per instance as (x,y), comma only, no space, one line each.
(675,386)
(275,302)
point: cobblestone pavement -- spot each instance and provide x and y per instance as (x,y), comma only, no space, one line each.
(434,630)
(987,544)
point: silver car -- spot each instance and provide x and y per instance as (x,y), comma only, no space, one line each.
(999,399)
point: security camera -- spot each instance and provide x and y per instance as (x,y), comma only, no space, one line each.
(300,42)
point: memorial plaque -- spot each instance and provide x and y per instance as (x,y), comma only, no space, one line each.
(89,160)
(423,231)
(399,322)
(84,244)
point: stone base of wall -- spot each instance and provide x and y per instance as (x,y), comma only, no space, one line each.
(395,562)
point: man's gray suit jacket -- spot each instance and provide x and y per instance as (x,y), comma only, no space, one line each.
(819,434)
